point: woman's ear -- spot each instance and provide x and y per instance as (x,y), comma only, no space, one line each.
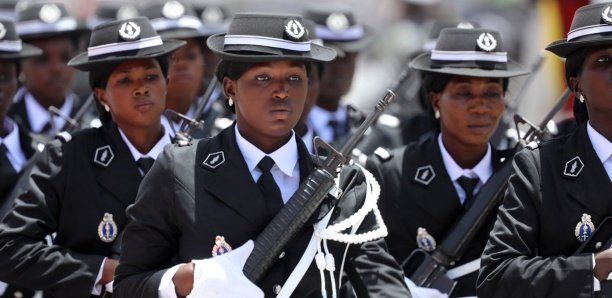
(229,87)
(101,95)
(434,98)
(575,84)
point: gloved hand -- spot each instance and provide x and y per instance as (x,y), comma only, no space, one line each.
(222,276)
(420,292)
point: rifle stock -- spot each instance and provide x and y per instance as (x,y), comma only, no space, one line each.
(305,201)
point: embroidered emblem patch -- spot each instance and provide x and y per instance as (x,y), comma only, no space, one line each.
(212,15)
(173,10)
(425,241)
(49,13)
(606,14)
(294,29)
(220,247)
(214,160)
(126,12)
(486,42)
(104,155)
(425,175)
(584,228)
(107,229)
(573,167)
(337,22)
(129,31)
(2,31)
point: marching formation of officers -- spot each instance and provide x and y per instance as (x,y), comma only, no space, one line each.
(144,153)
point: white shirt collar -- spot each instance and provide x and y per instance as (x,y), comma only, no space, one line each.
(285,157)
(320,118)
(153,153)
(308,138)
(13,144)
(171,126)
(601,145)
(38,116)
(483,170)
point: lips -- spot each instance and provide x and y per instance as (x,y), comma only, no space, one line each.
(143,105)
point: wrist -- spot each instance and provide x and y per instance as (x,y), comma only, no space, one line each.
(183,279)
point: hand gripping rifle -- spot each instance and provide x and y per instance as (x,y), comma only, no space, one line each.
(430,269)
(305,201)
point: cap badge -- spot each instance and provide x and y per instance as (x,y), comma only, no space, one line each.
(584,228)
(337,22)
(104,155)
(606,14)
(2,31)
(220,247)
(214,160)
(126,12)
(107,229)
(173,10)
(573,167)
(425,175)
(294,29)
(465,25)
(486,42)
(425,241)
(50,13)
(212,15)
(129,31)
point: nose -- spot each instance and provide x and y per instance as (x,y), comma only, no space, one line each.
(282,91)
(141,90)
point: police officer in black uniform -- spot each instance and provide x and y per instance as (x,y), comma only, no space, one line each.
(220,192)
(561,191)
(427,185)
(82,183)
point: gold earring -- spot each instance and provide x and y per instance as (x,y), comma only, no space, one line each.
(437,114)
(581,98)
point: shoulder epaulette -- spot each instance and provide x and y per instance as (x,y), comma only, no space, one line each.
(383,153)
(64,136)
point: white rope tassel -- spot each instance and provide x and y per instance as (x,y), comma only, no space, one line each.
(330,265)
(320,261)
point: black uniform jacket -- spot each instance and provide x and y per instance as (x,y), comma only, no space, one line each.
(407,204)
(183,205)
(7,183)
(68,193)
(531,249)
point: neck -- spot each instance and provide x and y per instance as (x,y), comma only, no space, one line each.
(144,138)
(267,144)
(47,102)
(328,104)
(301,128)
(182,103)
(603,127)
(3,131)
(466,156)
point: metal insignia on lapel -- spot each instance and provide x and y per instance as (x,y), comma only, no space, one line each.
(107,229)
(129,31)
(606,14)
(584,228)
(486,42)
(425,174)
(221,247)
(294,29)
(573,167)
(214,160)
(425,241)
(104,156)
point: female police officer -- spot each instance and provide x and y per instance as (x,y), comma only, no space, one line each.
(561,191)
(428,185)
(82,183)
(205,197)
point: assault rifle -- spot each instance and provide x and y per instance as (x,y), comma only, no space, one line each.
(305,201)
(430,269)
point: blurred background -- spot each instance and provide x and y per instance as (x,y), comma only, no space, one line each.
(401,27)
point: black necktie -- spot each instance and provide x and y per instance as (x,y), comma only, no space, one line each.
(268,187)
(145,164)
(468,185)
(7,172)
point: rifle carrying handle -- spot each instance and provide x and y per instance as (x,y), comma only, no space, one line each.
(286,223)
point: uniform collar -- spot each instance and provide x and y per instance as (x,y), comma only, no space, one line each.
(153,153)
(308,137)
(285,157)
(13,143)
(320,118)
(38,116)
(601,145)
(483,170)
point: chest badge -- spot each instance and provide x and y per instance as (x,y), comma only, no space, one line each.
(573,167)
(425,175)
(220,247)
(425,241)
(104,155)
(214,160)
(584,228)
(107,229)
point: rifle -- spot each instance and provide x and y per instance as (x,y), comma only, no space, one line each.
(73,123)
(183,137)
(430,269)
(306,200)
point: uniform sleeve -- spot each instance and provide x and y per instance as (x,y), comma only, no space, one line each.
(372,271)
(150,239)
(510,264)
(25,257)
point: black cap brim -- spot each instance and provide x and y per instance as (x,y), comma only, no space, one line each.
(85,63)
(513,69)
(353,46)
(27,51)
(563,48)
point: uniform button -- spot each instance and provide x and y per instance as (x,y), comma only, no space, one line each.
(276,289)
(598,245)
(282,255)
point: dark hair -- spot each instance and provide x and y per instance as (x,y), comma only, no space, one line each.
(98,78)
(234,70)
(436,82)
(573,67)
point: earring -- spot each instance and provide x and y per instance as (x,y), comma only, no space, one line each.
(230,102)
(106,108)
(581,98)
(437,114)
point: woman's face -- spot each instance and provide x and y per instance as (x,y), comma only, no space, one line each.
(269,98)
(470,109)
(8,85)
(48,76)
(185,75)
(595,83)
(337,77)
(314,83)
(135,93)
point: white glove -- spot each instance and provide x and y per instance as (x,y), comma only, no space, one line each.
(420,292)
(222,276)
